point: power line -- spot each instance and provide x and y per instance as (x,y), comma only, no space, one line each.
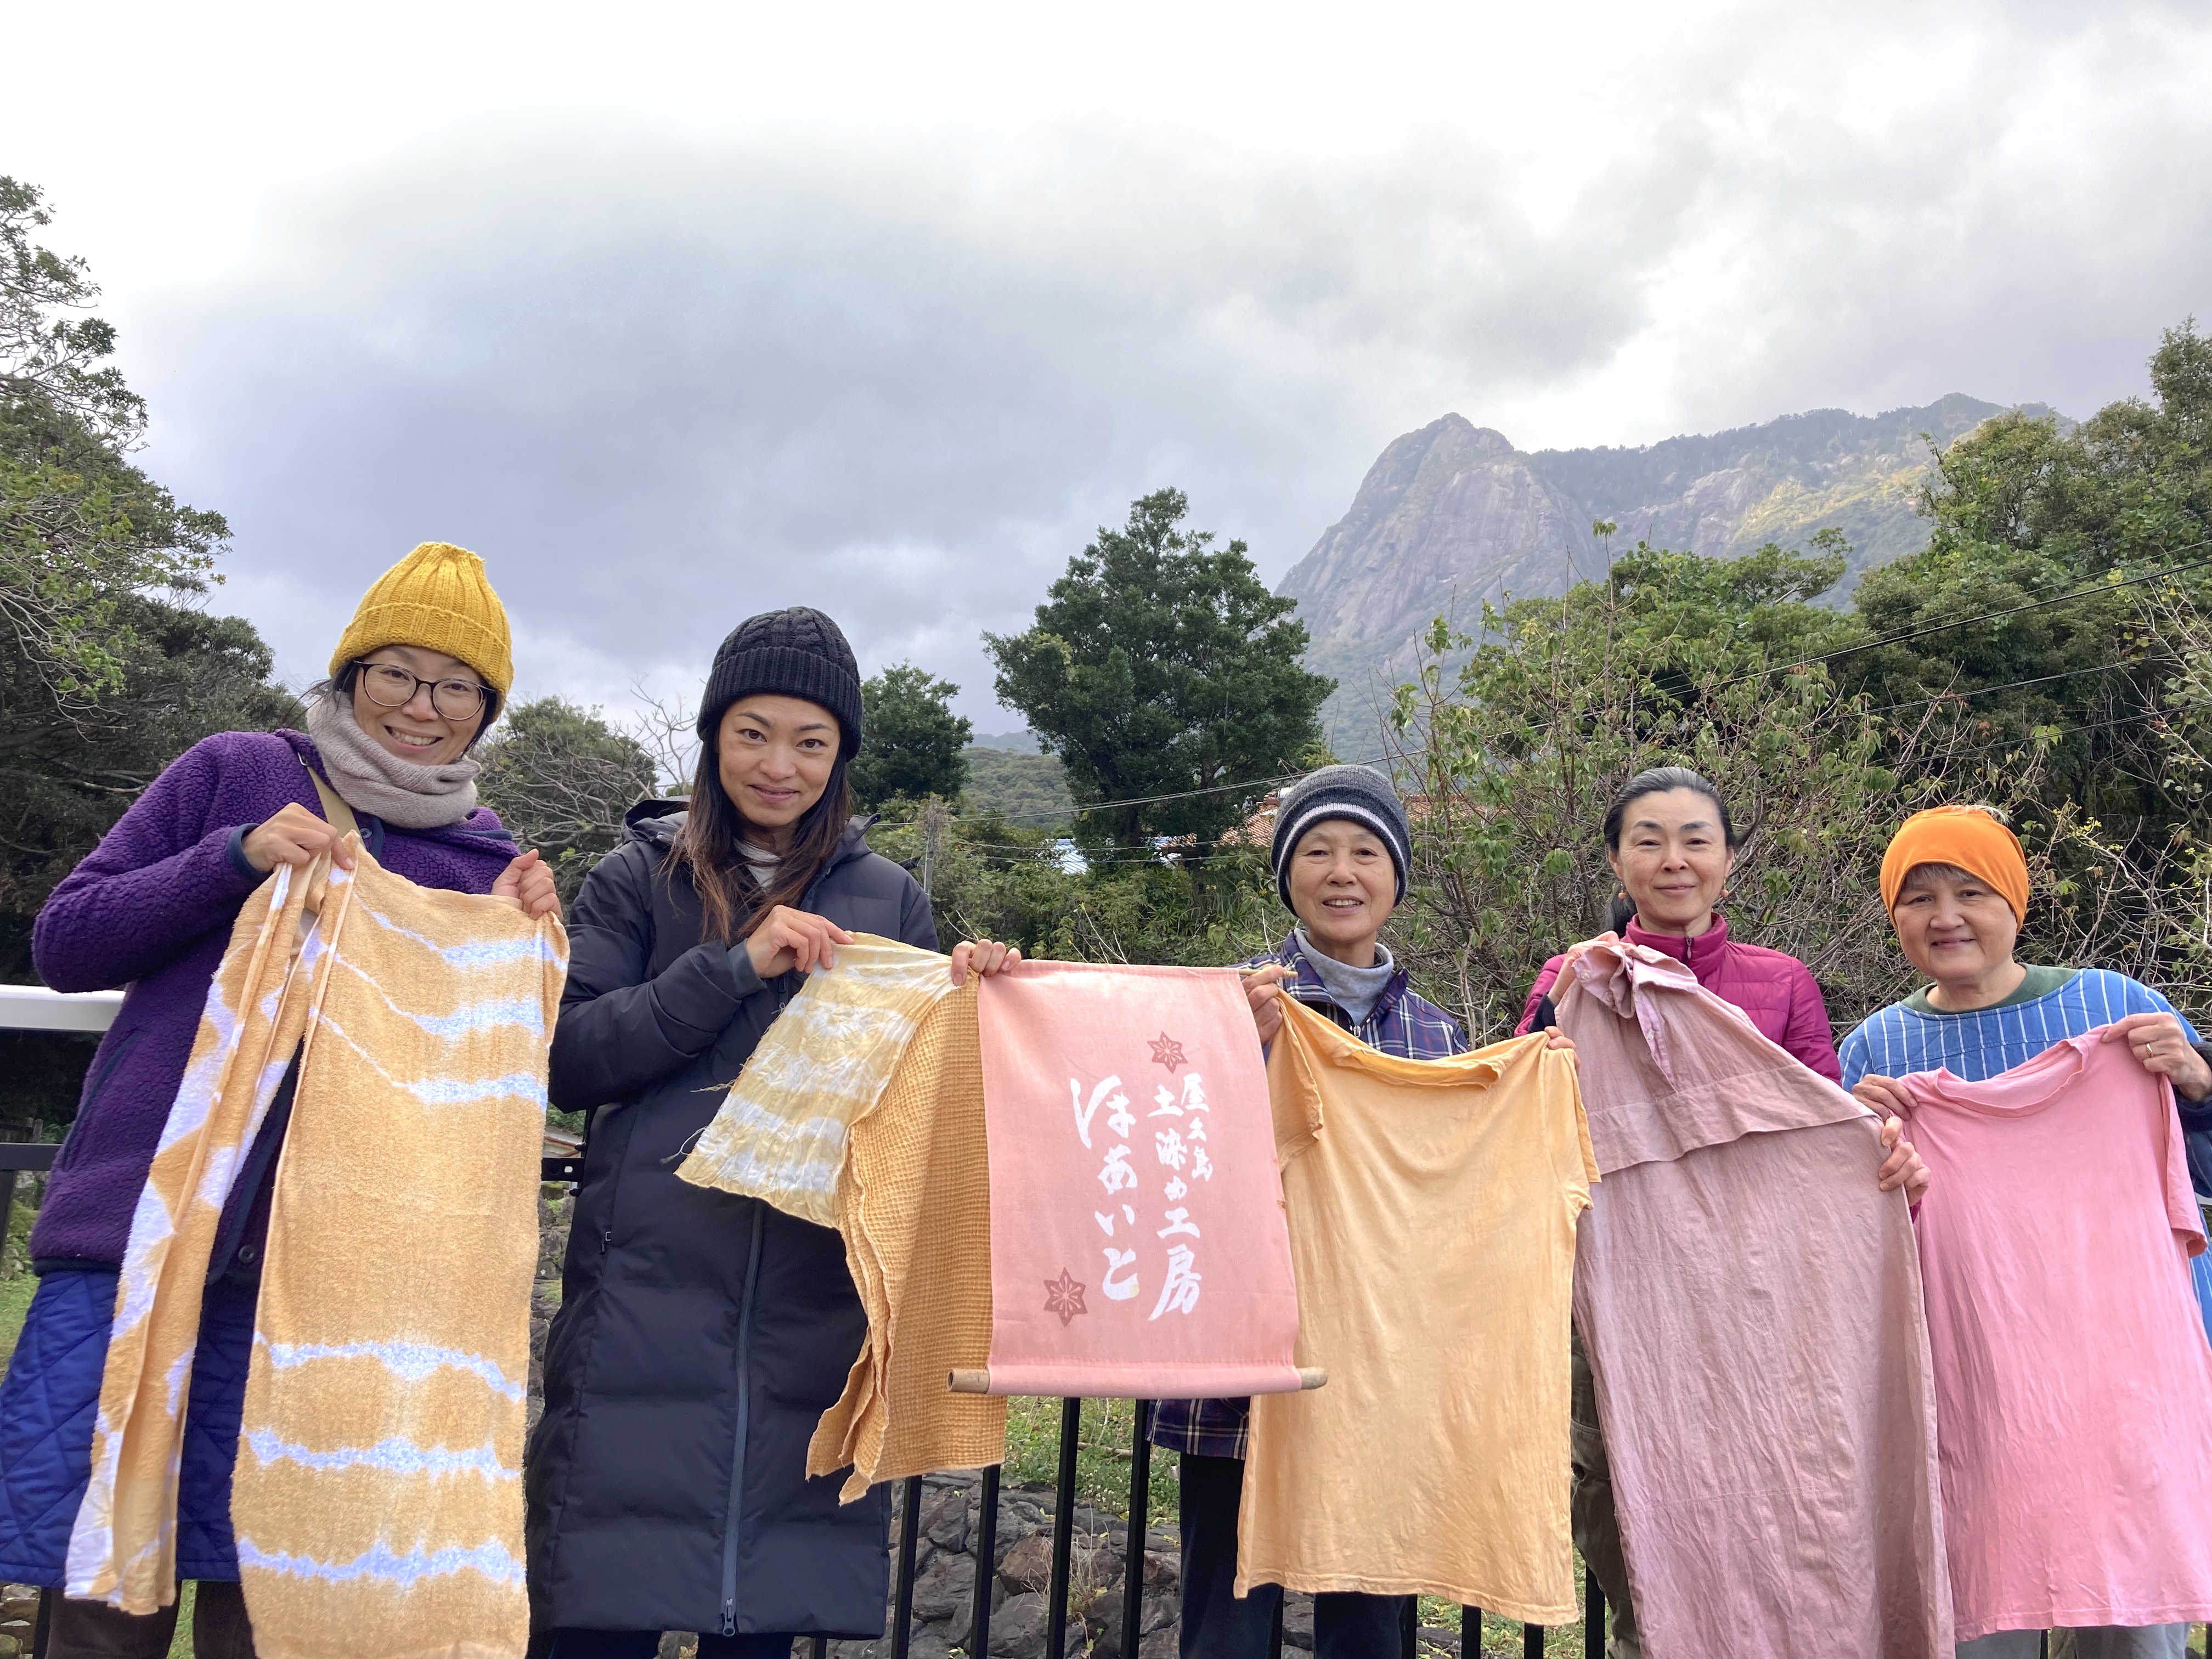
(2140,717)
(1180,795)
(1990,615)
(2009,685)
(1534,728)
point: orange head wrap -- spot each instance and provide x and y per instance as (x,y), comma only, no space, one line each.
(1965,836)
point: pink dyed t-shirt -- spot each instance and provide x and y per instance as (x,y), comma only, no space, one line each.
(1751,1304)
(2073,1383)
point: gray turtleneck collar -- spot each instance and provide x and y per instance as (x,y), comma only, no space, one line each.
(1355,990)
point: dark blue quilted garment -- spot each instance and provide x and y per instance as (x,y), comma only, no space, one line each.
(46,1407)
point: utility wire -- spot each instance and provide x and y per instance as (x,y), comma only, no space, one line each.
(2090,591)
(1180,795)
(2138,718)
(1910,634)
(2009,685)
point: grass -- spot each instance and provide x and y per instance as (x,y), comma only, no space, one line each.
(1502,1635)
(1102,1457)
(17,1282)
(16,1296)
(180,1646)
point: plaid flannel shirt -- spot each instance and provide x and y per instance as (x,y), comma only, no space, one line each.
(1402,1022)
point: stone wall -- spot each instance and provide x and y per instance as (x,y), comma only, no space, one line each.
(19,1618)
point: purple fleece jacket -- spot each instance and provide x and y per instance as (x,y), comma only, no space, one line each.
(151,908)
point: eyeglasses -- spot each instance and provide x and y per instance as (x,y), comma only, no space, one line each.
(390,686)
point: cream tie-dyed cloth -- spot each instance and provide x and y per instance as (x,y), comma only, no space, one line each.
(783,1132)
(377,1499)
(862,1109)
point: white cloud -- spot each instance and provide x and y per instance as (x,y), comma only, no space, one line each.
(704,310)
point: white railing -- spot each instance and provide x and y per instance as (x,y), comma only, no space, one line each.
(34,1008)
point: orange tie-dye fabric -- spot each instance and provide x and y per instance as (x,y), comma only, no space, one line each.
(377,1500)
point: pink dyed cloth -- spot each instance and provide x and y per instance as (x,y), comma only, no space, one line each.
(1775,989)
(2074,1387)
(1750,1303)
(1138,1243)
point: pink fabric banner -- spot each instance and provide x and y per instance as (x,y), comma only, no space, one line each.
(1137,1245)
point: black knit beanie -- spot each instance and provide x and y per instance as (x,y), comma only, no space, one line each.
(798,652)
(1358,793)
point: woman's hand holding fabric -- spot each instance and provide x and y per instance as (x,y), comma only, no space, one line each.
(528,881)
(2158,1041)
(1885,1097)
(985,957)
(1263,989)
(1903,1167)
(295,836)
(1556,1038)
(788,938)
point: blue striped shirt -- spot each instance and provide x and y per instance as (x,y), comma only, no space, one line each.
(1977,1045)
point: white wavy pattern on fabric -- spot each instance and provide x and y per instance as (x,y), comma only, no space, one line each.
(527,1087)
(391,1456)
(783,1130)
(410,1362)
(478,955)
(493,1559)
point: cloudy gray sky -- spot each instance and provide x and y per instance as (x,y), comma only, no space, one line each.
(675,313)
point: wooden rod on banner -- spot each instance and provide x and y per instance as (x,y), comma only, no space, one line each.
(978,1381)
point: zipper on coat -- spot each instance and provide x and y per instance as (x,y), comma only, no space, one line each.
(744,1417)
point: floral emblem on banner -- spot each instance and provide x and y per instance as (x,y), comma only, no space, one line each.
(1064,1297)
(1167,1052)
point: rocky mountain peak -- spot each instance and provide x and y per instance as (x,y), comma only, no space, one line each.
(1452,514)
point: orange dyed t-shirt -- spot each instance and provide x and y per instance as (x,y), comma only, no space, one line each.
(1432,1207)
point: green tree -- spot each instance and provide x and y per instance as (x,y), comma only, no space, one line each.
(2026,512)
(998,880)
(911,740)
(1160,664)
(65,778)
(1026,789)
(561,779)
(81,528)
(108,673)
(1674,659)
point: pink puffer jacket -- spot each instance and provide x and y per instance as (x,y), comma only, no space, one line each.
(1777,991)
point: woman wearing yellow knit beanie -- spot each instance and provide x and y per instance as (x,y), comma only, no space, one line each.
(416,678)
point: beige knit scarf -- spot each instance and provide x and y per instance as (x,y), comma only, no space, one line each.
(373,779)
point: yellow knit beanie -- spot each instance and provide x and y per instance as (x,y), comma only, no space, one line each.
(437,598)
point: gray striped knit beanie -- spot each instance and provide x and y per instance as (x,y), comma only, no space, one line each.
(1358,793)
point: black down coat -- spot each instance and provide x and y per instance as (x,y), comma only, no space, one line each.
(700,1335)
